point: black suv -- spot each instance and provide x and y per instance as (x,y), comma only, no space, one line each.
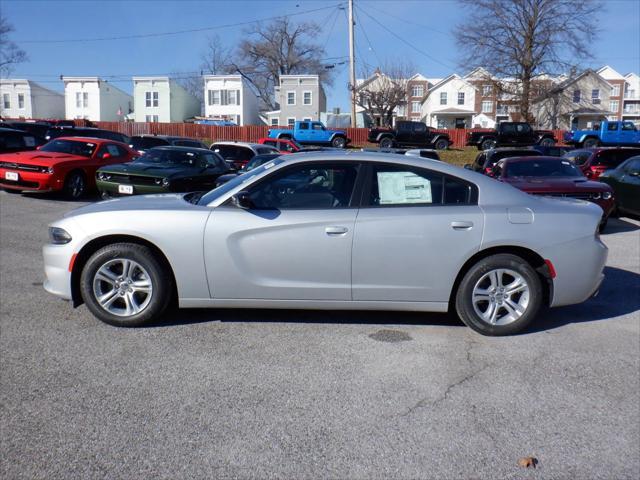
(485,161)
(409,134)
(510,134)
(55,132)
(18,141)
(142,143)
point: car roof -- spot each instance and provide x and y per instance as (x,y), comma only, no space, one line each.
(165,137)
(242,144)
(14,130)
(174,148)
(531,158)
(84,139)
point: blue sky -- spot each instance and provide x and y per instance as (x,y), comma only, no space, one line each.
(427,24)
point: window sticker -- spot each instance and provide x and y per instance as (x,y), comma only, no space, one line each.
(403,187)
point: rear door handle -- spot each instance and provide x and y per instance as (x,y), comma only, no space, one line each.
(336,230)
(462,225)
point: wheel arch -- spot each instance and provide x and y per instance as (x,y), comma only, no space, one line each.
(96,244)
(531,257)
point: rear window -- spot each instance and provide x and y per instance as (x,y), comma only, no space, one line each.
(144,143)
(188,143)
(613,158)
(497,156)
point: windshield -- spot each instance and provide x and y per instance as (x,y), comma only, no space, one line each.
(144,143)
(176,157)
(72,147)
(577,156)
(543,168)
(239,180)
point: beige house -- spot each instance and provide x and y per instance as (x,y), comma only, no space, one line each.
(575,103)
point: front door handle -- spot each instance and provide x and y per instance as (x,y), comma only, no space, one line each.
(336,230)
(462,225)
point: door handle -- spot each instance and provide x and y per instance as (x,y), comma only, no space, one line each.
(462,225)
(336,230)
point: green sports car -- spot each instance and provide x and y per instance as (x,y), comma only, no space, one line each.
(163,170)
(625,180)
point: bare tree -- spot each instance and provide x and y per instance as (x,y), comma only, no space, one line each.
(384,90)
(280,47)
(523,39)
(218,58)
(10,53)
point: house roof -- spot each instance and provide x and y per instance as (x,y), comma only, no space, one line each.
(570,81)
(454,76)
(609,73)
(453,111)
(589,111)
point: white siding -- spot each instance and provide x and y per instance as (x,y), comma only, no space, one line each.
(103,100)
(244,113)
(39,102)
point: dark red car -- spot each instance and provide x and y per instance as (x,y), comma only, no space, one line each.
(594,161)
(554,177)
(283,145)
(66,164)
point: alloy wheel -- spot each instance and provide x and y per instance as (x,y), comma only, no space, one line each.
(501,296)
(122,287)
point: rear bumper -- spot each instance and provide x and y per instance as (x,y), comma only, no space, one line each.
(32,181)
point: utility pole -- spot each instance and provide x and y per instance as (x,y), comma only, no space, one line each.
(352,67)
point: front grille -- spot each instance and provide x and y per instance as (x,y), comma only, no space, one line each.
(20,166)
(578,195)
(130,179)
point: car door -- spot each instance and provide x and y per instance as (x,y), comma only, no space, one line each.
(303,133)
(628,186)
(403,133)
(414,231)
(419,134)
(612,133)
(293,243)
(628,134)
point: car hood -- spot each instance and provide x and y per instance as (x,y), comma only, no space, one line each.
(169,202)
(549,184)
(149,169)
(37,157)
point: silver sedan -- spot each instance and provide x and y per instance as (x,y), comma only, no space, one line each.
(333,230)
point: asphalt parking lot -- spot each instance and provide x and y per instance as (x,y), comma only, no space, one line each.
(297,394)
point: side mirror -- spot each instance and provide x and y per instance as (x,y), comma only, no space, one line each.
(468,166)
(106,156)
(38,147)
(242,200)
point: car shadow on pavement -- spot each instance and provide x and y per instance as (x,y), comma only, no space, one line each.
(618,225)
(59,197)
(619,295)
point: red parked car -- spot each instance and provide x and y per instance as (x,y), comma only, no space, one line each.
(283,145)
(594,161)
(66,164)
(554,177)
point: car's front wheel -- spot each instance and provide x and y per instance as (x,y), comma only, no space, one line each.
(75,185)
(442,144)
(339,142)
(499,295)
(125,285)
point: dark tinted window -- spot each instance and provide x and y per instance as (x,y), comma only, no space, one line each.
(180,157)
(188,143)
(456,192)
(613,158)
(419,127)
(315,186)
(578,156)
(543,168)
(233,152)
(612,126)
(628,126)
(144,143)
(499,155)
(12,140)
(632,165)
(257,161)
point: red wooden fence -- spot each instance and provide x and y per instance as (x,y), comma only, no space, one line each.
(358,136)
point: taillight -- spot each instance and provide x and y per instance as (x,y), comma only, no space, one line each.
(488,171)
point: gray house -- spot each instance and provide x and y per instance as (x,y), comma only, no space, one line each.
(301,97)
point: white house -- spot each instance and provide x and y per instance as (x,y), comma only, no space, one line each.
(229,97)
(160,99)
(94,99)
(301,97)
(631,99)
(27,99)
(450,104)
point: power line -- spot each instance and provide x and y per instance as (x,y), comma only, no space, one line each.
(364,31)
(178,32)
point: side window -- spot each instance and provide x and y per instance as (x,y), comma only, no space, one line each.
(270,142)
(29,141)
(633,166)
(480,159)
(612,127)
(314,186)
(457,192)
(628,126)
(114,150)
(304,126)
(508,128)
(419,128)
(244,154)
(13,141)
(401,185)
(317,126)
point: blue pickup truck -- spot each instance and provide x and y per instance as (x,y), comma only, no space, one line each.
(312,133)
(608,133)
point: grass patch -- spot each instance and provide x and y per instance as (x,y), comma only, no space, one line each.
(459,156)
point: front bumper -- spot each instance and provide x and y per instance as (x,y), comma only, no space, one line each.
(112,189)
(57,272)
(33,181)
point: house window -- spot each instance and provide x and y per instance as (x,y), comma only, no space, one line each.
(486,90)
(306,98)
(615,91)
(442,123)
(275,121)
(152,118)
(151,99)
(417,91)
(415,107)
(291,98)
(576,96)
(291,121)
(6,100)
(614,105)
(460,98)
(82,99)
(21,100)
(214,97)
(487,106)
(443,98)
(233,97)
(595,95)
(308,120)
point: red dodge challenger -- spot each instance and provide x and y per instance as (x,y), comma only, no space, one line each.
(554,177)
(65,164)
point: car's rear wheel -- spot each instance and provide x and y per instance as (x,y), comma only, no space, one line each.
(547,142)
(591,143)
(125,285)
(442,144)
(386,142)
(75,185)
(339,142)
(488,144)
(499,295)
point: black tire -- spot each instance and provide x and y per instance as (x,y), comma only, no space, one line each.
(488,144)
(547,142)
(464,303)
(159,278)
(11,190)
(603,225)
(442,144)
(590,143)
(386,142)
(75,185)
(339,142)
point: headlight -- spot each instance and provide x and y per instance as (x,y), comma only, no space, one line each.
(606,195)
(595,196)
(46,169)
(165,182)
(101,176)
(59,236)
